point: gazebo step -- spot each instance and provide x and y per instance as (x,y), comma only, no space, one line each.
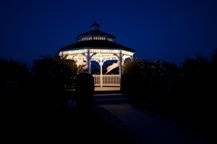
(107,88)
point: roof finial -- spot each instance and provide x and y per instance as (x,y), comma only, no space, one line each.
(95,26)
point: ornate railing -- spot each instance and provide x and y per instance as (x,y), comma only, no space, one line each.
(107,80)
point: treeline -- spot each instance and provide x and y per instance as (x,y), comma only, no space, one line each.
(184,93)
(51,101)
(40,89)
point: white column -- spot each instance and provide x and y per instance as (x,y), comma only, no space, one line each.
(88,61)
(120,63)
(101,73)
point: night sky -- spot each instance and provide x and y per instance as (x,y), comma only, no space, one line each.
(157,29)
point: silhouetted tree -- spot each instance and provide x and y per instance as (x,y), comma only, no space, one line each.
(51,77)
(14,84)
(148,83)
(84,91)
(184,93)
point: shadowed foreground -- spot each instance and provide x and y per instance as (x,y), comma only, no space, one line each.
(35,107)
(49,117)
(146,128)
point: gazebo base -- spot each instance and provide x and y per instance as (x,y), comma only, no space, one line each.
(107,88)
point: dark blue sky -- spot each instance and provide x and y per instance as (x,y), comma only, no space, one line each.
(167,29)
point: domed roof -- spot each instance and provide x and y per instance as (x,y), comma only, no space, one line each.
(95,32)
(97,44)
(95,38)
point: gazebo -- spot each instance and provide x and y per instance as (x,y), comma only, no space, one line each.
(99,47)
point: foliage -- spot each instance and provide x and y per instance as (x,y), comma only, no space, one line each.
(14,83)
(184,93)
(51,76)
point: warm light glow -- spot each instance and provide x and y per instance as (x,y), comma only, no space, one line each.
(96,55)
(81,57)
(108,80)
(104,57)
(109,39)
(127,53)
(69,52)
(94,38)
(109,51)
(92,50)
(85,55)
(126,56)
(78,58)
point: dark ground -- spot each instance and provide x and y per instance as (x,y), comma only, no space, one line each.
(112,120)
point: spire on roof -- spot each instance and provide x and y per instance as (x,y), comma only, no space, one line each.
(95,26)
